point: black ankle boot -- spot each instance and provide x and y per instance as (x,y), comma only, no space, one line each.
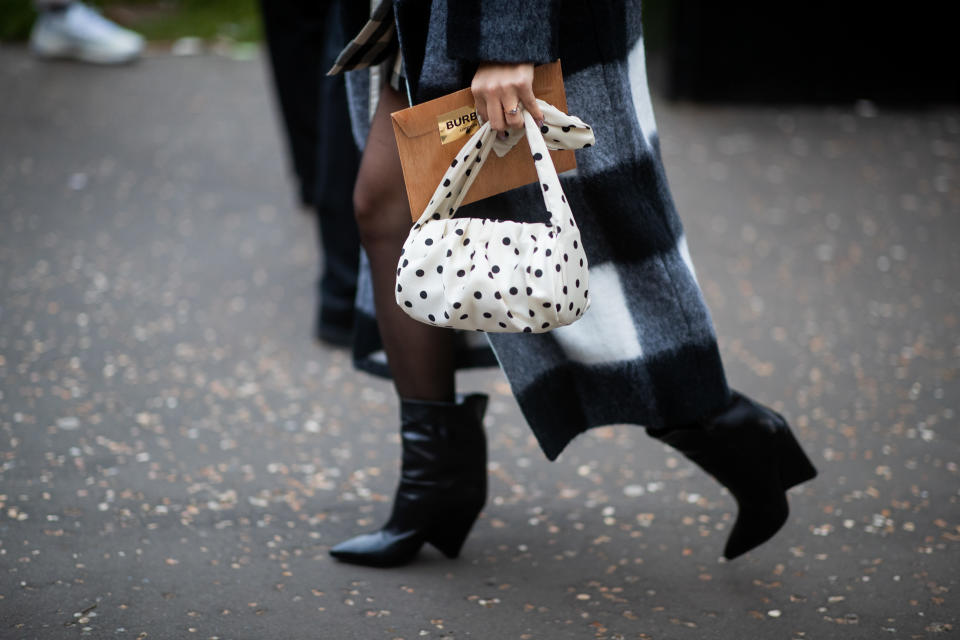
(443,484)
(750,450)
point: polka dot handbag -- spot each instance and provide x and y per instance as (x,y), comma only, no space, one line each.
(498,276)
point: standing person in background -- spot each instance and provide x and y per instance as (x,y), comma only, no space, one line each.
(304,37)
(73,30)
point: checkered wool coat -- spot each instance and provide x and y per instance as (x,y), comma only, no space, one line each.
(645,353)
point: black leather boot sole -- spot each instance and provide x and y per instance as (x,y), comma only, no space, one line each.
(750,450)
(443,485)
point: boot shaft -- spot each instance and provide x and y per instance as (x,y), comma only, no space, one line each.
(442,437)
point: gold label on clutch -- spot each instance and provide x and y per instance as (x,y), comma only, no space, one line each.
(456,124)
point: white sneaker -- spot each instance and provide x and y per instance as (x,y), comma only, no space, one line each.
(81,33)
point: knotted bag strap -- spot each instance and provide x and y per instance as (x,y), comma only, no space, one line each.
(566,132)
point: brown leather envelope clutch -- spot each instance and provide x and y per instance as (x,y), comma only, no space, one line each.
(430,134)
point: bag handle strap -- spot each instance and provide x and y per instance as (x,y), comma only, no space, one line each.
(461,173)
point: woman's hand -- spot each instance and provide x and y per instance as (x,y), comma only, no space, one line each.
(499,89)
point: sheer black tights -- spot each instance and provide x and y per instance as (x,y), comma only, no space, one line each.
(421,357)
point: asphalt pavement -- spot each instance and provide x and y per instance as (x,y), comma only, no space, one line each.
(177,454)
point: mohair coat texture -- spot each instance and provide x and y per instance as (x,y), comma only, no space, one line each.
(645,353)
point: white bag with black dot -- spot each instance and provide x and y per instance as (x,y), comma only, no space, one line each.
(491,275)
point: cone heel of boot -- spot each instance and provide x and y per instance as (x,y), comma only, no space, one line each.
(450,538)
(795,467)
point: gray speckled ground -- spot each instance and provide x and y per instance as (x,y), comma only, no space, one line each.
(177,456)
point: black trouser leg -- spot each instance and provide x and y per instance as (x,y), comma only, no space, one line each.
(303,38)
(338,161)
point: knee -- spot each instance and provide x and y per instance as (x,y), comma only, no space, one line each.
(382,215)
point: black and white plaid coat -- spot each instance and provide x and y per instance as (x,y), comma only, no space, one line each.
(645,353)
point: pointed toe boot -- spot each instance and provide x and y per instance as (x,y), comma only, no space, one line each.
(750,450)
(443,484)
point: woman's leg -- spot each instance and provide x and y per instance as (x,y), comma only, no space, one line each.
(421,357)
(443,475)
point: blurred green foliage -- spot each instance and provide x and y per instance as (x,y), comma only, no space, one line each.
(156,19)
(235,19)
(16,18)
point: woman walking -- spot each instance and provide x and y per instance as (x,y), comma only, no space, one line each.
(644,354)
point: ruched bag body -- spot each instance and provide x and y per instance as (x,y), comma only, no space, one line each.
(492,275)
